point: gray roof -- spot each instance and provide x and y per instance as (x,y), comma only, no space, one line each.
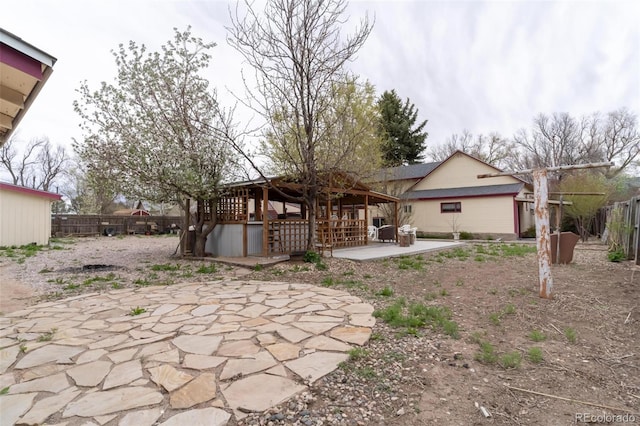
(413,171)
(469,191)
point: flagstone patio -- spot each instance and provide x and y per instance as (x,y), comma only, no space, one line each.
(185,354)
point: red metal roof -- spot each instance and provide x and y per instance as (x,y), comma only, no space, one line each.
(29,191)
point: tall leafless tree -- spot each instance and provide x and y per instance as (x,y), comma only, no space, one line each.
(38,166)
(619,138)
(298,54)
(561,139)
(491,148)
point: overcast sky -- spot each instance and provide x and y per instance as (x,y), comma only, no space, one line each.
(481,66)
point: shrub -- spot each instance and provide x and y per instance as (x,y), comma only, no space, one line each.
(570,334)
(537,336)
(511,360)
(464,235)
(312,257)
(617,255)
(530,232)
(535,355)
(487,353)
(386,292)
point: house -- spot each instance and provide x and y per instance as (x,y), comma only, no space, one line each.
(25,215)
(24,69)
(442,197)
(259,217)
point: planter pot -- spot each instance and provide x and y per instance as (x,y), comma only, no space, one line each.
(456,235)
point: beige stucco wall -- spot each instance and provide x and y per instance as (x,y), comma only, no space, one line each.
(461,171)
(491,215)
(24,219)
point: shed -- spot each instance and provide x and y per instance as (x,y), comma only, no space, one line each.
(25,215)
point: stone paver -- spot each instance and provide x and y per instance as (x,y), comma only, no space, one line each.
(227,347)
(259,393)
(205,416)
(168,377)
(201,389)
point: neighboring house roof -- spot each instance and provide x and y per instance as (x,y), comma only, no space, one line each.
(29,191)
(131,212)
(466,192)
(413,171)
(24,69)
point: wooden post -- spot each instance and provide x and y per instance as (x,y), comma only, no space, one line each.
(634,223)
(257,207)
(366,218)
(395,219)
(329,214)
(559,225)
(265,221)
(543,236)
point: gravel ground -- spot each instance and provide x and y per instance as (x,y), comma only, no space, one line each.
(424,376)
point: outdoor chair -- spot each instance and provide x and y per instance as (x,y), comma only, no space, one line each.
(387,233)
(407,229)
(372,233)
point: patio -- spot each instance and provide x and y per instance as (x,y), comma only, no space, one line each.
(376,250)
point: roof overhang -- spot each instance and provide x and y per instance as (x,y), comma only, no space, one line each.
(29,191)
(510,190)
(339,185)
(24,69)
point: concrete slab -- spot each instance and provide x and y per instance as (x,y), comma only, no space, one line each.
(374,251)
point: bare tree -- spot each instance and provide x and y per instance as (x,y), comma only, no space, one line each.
(298,54)
(492,148)
(560,139)
(51,162)
(38,166)
(90,190)
(620,139)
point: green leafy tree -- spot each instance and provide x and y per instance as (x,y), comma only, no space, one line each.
(349,141)
(583,208)
(403,140)
(159,130)
(298,54)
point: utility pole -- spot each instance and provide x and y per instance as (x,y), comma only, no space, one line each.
(541,206)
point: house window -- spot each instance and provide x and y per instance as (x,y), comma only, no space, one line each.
(407,208)
(451,207)
(378,222)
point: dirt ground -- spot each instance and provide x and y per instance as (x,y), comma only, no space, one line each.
(586,340)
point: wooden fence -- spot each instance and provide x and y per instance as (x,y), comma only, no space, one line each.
(84,225)
(623,227)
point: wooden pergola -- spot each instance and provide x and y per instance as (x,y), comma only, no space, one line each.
(263,214)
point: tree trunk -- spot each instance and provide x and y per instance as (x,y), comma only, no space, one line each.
(311,206)
(201,239)
(204,227)
(311,240)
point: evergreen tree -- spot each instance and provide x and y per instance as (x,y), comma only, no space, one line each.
(403,140)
